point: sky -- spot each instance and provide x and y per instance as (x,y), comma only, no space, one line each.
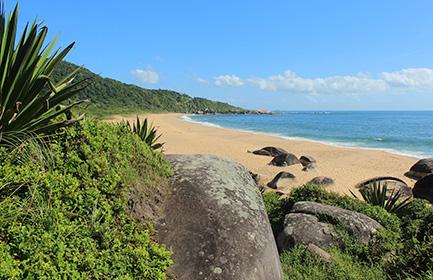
(277,55)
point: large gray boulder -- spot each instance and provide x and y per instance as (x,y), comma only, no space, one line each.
(421,168)
(215,222)
(306,229)
(362,227)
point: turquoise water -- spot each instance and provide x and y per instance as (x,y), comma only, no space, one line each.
(408,133)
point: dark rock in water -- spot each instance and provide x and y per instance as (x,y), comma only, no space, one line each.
(362,227)
(305,229)
(322,181)
(424,188)
(306,160)
(309,167)
(282,175)
(393,185)
(420,169)
(215,222)
(284,160)
(270,151)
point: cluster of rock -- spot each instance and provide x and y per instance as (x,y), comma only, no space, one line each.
(313,224)
(215,222)
(281,158)
(422,171)
(233,112)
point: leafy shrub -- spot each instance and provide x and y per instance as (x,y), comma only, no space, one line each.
(377,194)
(30,101)
(68,218)
(416,255)
(146,132)
(276,209)
(298,263)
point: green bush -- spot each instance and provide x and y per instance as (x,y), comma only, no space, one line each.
(30,101)
(276,209)
(146,132)
(63,206)
(416,255)
(377,194)
(300,264)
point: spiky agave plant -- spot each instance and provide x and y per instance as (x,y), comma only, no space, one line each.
(377,195)
(147,133)
(30,101)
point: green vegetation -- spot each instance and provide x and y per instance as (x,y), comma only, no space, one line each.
(377,194)
(110,97)
(301,264)
(30,101)
(403,250)
(146,132)
(63,206)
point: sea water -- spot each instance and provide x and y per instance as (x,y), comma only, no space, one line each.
(401,132)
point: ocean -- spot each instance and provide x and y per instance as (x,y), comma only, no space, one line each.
(402,132)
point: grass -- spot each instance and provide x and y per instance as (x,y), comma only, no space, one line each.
(301,264)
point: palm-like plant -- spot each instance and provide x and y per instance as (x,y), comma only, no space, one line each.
(30,101)
(377,194)
(147,133)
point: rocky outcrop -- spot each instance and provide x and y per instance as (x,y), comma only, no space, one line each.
(424,188)
(215,222)
(269,151)
(362,227)
(420,169)
(284,160)
(306,160)
(393,185)
(313,223)
(322,181)
(280,176)
(305,229)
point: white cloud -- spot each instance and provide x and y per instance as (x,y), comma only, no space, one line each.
(414,79)
(145,76)
(291,82)
(405,80)
(202,81)
(228,80)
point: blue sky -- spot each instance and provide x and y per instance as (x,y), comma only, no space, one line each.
(287,55)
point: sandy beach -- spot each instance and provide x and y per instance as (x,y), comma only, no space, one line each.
(347,166)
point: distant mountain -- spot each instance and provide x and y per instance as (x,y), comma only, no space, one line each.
(110,96)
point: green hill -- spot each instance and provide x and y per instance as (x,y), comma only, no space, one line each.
(109,96)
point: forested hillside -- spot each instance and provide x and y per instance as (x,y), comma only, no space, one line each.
(110,96)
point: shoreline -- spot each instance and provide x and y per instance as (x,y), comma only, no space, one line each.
(346,165)
(185,117)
